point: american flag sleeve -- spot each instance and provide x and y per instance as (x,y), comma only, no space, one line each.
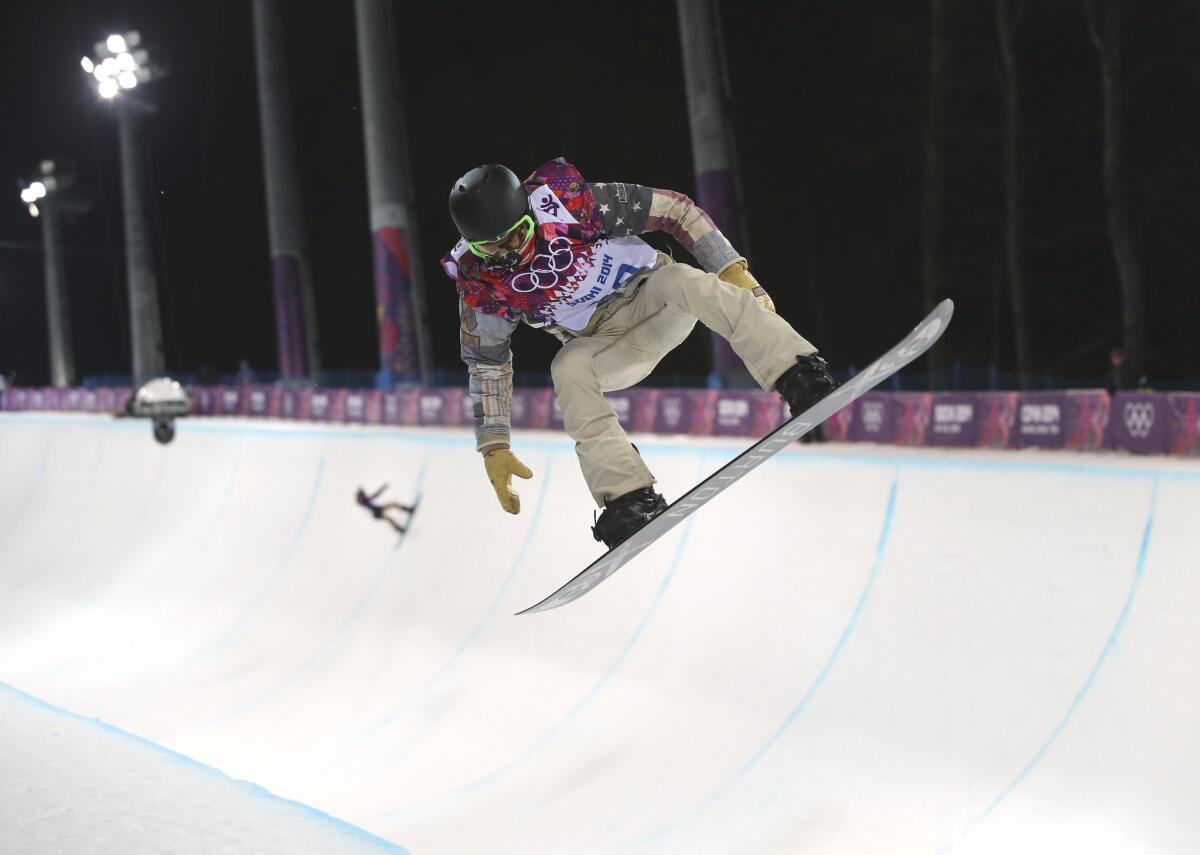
(633,209)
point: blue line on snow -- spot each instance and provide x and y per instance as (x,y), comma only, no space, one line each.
(248,788)
(1091,677)
(445,667)
(143,685)
(222,506)
(34,483)
(880,549)
(380,575)
(790,719)
(136,529)
(330,644)
(634,637)
(236,625)
(512,574)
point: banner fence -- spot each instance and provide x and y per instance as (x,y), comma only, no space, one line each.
(1079,419)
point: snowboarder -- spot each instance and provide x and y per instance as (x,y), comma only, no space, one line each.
(380,511)
(559,253)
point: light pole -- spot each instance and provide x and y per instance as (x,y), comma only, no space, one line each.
(404,348)
(42,198)
(712,145)
(295,303)
(120,66)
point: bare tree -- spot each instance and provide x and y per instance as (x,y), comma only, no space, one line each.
(1007,21)
(1104,22)
(934,191)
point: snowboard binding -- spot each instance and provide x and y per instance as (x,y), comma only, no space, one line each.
(626,514)
(805,383)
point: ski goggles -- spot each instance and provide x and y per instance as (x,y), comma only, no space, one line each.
(510,241)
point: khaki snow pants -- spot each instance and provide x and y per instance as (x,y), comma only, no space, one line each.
(631,339)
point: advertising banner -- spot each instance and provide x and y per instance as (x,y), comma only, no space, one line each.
(530,408)
(1184,430)
(746,413)
(337,405)
(390,407)
(996,417)
(837,427)
(955,422)
(316,405)
(410,406)
(1075,419)
(1041,418)
(374,402)
(356,406)
(1140,422)
(622,405)
(201,397)
(230,401)
(635,408)
(912,415)
(1089,410)
(440,406)
(873,418)
(258,401)
(288,403)
(686,411)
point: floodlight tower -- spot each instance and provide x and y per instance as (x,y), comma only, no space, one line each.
(119,67)
(42,197)
(295,303)
(404,348)
(713,156)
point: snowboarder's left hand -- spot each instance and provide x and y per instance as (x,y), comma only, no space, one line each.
(501,465)
(737,275)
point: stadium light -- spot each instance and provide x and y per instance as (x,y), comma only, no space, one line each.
(117,66)
(36,190)
(48,196)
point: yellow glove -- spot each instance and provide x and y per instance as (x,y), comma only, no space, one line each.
(501,464)
(737,275)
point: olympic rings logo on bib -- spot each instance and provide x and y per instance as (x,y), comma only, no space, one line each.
(545,276)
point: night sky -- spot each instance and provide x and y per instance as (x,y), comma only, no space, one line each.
(829,109)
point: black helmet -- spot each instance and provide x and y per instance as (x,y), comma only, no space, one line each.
(487,202)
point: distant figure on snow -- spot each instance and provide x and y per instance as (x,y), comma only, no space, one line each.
(380,511)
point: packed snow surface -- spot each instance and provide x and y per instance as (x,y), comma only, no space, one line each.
(209,647)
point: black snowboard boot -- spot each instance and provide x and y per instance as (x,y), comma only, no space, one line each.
(805,383)
(624,515)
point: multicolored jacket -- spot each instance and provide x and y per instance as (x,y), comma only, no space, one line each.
(587,252)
